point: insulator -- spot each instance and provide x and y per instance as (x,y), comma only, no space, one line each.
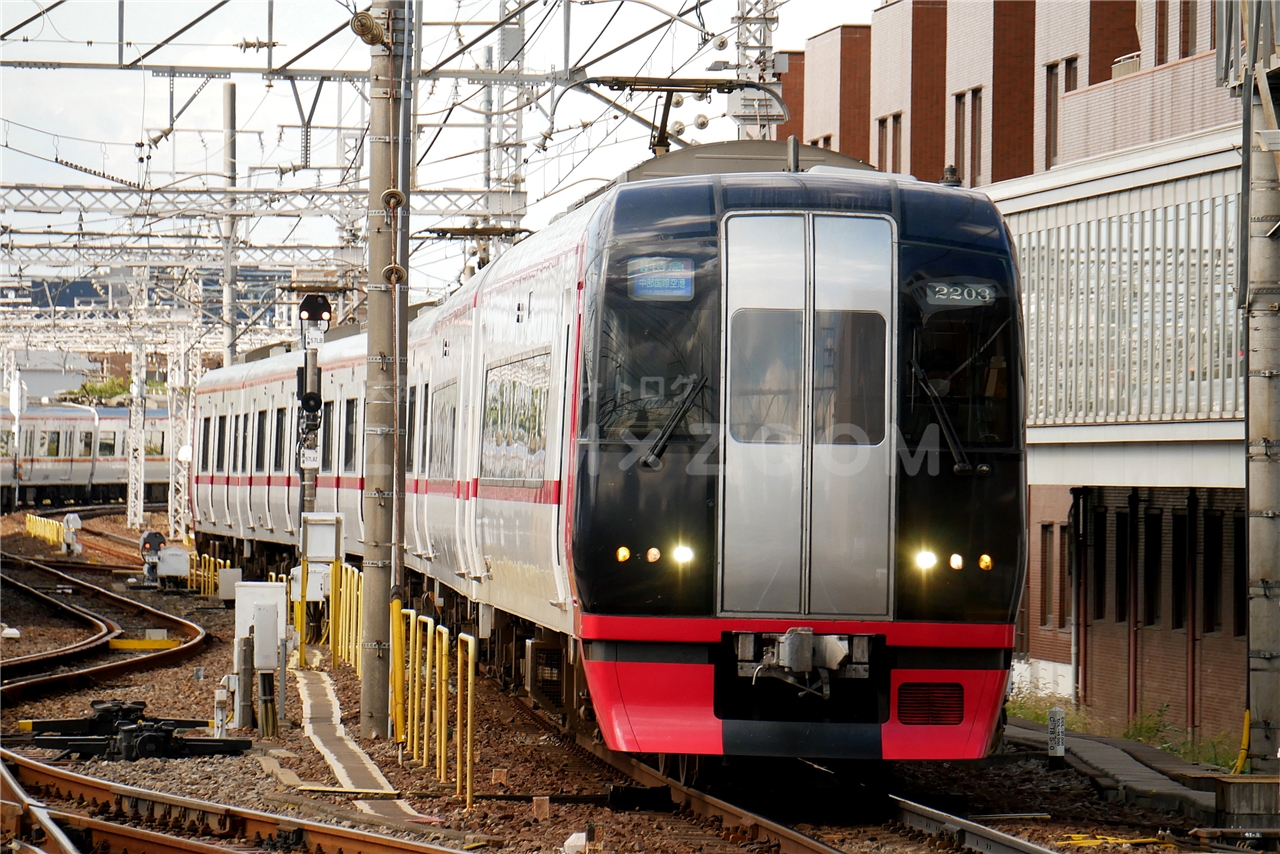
(367,28)
(701,122)
(393,273)
(393,198)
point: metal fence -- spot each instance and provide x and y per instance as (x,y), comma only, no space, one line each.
(1129,304)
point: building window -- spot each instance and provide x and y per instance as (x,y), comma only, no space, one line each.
(1162,32)
(326,436)
(882,134)
(205,430)
(260,443)
(349,428)
(1212,572)
(1122,567)
(897,143)
(1066,590)
(1152,553)
(1050,115)
(1240,581)
(282,427)
(1100,564)
(826,142)
(1046,575)
(411,422)
(958,159)
(975,137)
(1070,74)
(1178,573)
(1187,28)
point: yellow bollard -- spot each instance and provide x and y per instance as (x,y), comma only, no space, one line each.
(442,703)
(469,643)
(426,638)
(395,670)
(359,632)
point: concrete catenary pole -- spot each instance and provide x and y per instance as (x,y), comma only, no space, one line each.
(1261,309)
(229,225)
(383,30)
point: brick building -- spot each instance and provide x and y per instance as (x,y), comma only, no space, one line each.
(836,114)
(908,87)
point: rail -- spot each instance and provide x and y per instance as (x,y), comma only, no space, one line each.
(104,631)
(284,833)
(25,687)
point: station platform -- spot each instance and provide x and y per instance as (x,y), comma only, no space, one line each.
(1139,774)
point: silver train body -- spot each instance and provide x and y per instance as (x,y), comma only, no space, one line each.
(78,454)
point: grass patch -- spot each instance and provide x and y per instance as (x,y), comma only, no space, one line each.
(1152,728)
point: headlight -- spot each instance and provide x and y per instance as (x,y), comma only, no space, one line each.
(653,555)
(624,554)
(682,554)
(926,560)
(984,562)
(957,562)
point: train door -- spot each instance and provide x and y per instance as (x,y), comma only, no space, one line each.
(807,456)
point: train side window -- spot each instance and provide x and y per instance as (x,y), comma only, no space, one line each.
(153,443)
(411,421)
(86,444)
(326,437)
(107,443)
(426,420)
(6,442)
(244,444)
(514,437)
(50,443)
(282,425)
(260,443)
(220,464)
(205,429)
(444,422)
(350,424)
(235,443)
(765,382)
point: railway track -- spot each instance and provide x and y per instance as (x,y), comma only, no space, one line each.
(737,824)
(89,661)
(101,816)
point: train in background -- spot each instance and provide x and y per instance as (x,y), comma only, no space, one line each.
(721,463)
(76,454)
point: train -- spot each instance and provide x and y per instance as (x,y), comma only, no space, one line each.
(719,463)
(77,454)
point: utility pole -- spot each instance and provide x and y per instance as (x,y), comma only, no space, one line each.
(180,383)
(137,421)
(384,29)
(755,113)
(1261,310)
(229,225)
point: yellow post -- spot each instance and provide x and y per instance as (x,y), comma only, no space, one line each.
(359,632)
(426,633)
(301,612)
(470,643)
(415,681)
(399,669)
(442,703)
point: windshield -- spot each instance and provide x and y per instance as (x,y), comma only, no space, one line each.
(658,338)
(958,318)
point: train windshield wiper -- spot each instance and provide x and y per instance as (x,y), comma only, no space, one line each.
(654,454)
(944,421)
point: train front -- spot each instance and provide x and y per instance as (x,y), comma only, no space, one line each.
(798,523)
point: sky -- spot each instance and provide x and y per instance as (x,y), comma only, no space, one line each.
(96,119)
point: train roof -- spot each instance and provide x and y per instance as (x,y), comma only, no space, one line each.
(50,411)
